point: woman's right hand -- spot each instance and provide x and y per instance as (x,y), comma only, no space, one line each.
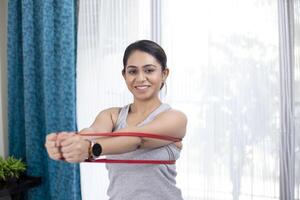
(53,149)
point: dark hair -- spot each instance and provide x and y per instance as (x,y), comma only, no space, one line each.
(149,47)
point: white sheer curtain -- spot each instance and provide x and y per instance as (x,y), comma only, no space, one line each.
(297,97)
(224,74)
(223,57)
(105,28)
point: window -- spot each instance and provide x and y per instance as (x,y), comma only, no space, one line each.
(224,74)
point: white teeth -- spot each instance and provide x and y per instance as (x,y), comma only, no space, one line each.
(141,87)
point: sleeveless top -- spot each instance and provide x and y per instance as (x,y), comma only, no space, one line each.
(143,181)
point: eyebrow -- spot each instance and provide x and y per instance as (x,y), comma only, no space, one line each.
(144,66)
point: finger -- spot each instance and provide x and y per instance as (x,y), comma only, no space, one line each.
(57,156)
(51,148)
(54,150)
(71,150)
(70,140)
(67,149)
(68,155)
(71,156)
(54,154)
(63,136)
(75,143)
(50,144)
(51,137)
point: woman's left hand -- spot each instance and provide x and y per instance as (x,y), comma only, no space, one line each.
(75,149)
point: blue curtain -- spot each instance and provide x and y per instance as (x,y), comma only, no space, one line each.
(41,89)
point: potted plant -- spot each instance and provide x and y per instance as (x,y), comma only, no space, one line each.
(11,169)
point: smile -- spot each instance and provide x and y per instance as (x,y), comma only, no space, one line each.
(141,87)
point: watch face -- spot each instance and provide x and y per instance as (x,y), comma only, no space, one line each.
(96,149)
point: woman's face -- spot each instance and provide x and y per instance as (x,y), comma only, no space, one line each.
(144,75)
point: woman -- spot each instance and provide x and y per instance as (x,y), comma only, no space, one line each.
(145,72)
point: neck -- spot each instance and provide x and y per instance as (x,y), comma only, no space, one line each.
(144,106)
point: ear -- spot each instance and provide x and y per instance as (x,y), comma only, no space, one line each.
(165,74)
(123,74)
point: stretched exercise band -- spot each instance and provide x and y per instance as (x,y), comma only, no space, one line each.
(133,134)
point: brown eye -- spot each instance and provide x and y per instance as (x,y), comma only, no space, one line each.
(132,71)
(148,71)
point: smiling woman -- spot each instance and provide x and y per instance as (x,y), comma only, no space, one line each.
(145,68)
(144,73)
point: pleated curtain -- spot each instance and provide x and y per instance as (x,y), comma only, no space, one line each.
(41,90)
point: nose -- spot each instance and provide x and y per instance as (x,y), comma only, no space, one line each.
(141,77)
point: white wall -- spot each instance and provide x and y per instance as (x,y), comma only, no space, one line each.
(3,80)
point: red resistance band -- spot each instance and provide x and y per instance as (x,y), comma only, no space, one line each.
(133,134)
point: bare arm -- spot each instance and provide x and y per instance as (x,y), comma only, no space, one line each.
(170,123)
(75,148)
(104,122)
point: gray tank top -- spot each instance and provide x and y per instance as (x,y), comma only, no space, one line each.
(144,181)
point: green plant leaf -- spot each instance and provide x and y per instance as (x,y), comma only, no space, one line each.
(11,168)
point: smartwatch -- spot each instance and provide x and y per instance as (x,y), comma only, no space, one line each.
(96,150)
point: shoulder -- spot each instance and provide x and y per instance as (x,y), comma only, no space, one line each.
(173,113)
(173,116)
(171,121)
(105,120)
(111,112)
